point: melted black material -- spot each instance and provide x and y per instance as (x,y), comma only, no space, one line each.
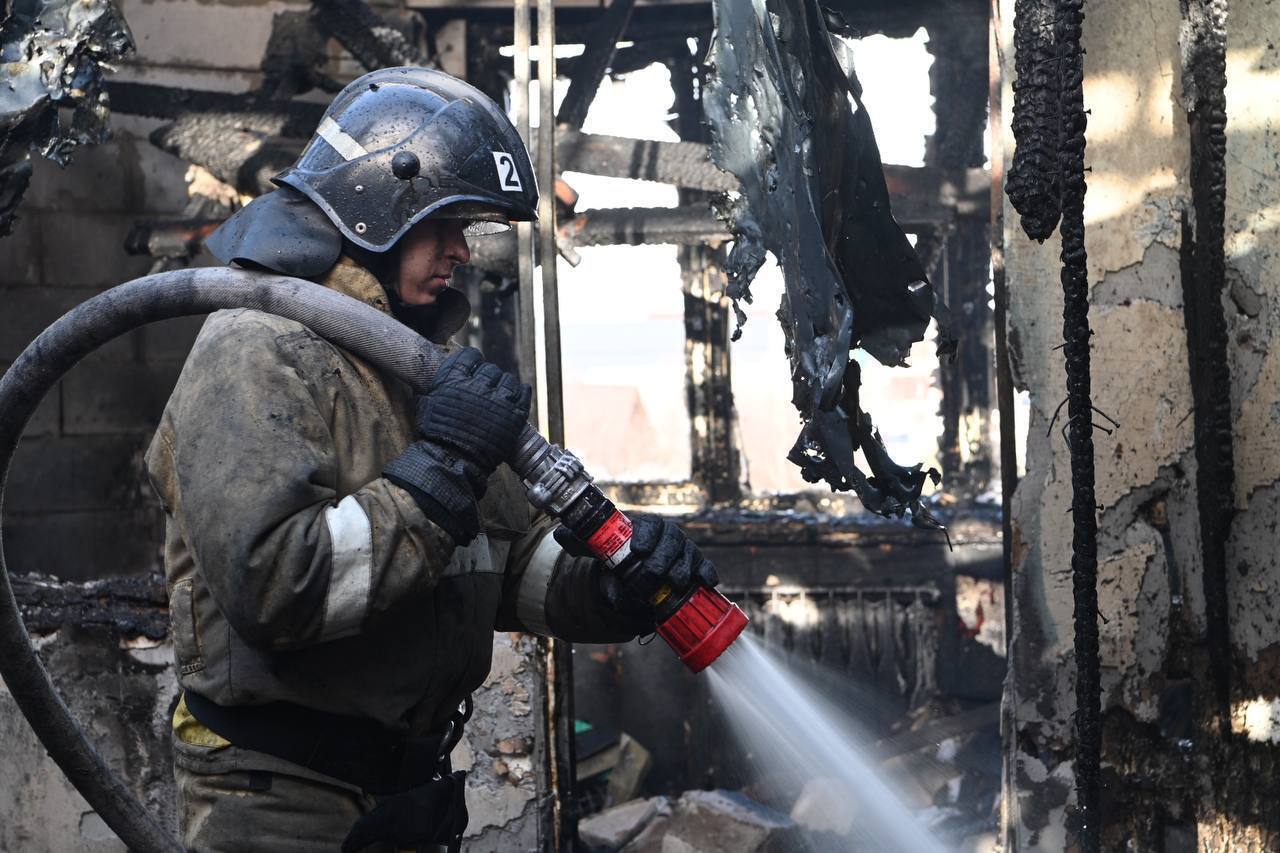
(1047,183)
(54,53)
(1034,183)
(282,231)
(1208,336)
(789,123)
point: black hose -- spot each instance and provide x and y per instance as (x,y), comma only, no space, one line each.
(352,325)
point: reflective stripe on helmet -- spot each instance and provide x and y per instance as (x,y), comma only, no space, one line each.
(339,139)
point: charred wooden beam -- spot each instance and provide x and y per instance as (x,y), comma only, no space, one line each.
(296,52)
(246,159)
(636,226)
(590,69)
(366,36)
(131,605)
(922,197)
(934,732)
(249,110)
(684,164)
(626,226)
(655,493)
(897,18)
(669,21)
(180,238)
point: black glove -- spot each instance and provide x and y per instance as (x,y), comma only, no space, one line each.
(476,409)
(445,487)
(469,421)
(434,813)
(661,556)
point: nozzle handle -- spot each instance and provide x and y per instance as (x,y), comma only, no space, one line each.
(698,625)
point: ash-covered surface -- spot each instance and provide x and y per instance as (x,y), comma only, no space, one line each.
(54,54)
(788,122)
(132,605)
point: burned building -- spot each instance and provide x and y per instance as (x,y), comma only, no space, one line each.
(1060,638)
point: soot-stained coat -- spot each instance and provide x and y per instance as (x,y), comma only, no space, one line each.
(297,573)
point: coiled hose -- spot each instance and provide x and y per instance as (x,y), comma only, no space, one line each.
(352,325)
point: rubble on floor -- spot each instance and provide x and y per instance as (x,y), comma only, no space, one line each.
(945,762)
(697,821)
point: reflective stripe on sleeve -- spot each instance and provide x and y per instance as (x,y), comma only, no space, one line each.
(531,598)
(331,132)
(351,575)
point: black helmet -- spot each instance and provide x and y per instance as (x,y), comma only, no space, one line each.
(401,144)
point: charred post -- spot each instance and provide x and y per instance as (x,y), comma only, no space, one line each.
(959,86)
(1046,184)
(708,394)
(1068,20)
(590,69)
(1203,282)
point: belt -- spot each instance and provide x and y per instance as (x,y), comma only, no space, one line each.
(357,751)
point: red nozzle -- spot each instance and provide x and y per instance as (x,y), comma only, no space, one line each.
(703,628)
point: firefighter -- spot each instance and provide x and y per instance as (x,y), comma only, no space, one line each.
(338,552)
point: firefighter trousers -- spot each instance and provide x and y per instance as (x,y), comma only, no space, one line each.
(262,811)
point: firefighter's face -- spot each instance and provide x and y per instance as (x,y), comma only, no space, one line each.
(428,254)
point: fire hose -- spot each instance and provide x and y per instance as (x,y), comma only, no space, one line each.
(698,624)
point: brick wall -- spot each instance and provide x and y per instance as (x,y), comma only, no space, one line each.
(78,505)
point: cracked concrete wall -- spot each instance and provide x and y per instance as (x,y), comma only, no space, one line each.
(122,689)
(78,506)
(1253,320)
(499,751)
(1151,607)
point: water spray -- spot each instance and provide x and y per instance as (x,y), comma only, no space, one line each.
(698,624)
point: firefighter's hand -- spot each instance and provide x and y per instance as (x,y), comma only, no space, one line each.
(663,563)
(475,409)
(434,813)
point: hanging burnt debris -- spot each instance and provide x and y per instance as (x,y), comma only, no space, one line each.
(788,122)
(54,54)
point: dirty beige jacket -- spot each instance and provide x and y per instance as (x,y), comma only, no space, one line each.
(297,573)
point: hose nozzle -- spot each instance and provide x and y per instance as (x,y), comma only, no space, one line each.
(700,626)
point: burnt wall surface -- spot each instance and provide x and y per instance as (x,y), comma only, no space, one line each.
(1182,764)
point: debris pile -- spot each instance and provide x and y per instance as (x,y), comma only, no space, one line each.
(697,820)
(54,54)
(944,762)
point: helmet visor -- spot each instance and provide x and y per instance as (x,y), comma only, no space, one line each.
(481,218)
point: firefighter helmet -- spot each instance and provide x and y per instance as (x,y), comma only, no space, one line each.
(399,145)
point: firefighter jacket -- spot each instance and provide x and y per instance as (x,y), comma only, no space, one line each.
(297,573)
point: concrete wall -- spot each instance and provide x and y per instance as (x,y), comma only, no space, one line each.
(1151,604)
(78,506)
